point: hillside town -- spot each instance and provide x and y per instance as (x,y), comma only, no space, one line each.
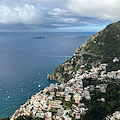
(64,101)
(114,116)
(57,101)
(100,73)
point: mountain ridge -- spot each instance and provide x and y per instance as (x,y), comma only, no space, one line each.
(102,47)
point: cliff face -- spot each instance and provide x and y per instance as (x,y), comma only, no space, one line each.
(102,47)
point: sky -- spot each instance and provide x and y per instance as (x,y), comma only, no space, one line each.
(58,15)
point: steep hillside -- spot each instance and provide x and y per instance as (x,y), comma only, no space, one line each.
(106,42)
(102,47)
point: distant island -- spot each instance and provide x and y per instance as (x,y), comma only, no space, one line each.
(82,36)
(90,83)
(39,37)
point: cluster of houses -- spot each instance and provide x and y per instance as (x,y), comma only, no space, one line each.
(114,74)
(64,101)
(114,116)
(100,73)
(95,72)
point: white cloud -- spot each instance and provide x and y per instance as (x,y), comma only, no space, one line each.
(57,12)
(70,20)
(60,17)
(103,9)
(53,3)
(20,13)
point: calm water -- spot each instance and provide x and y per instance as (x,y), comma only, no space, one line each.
(25,62)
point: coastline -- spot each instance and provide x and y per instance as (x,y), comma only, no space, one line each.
(65,99)
(23,75)
(41,104)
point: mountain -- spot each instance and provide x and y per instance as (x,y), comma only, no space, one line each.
(102,47)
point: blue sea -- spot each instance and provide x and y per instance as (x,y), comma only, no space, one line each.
(25,63)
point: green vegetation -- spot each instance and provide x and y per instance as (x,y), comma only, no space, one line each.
(7,118)
(106,45)
(113,66)
(68,104)
(107,42)
(98,110)
(91,81)
(55,71)
(24,118)
(28,118)
(67,77)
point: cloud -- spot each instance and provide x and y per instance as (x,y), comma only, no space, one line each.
(54,14)
(57,12)
(53,3)
(102,9)
(20,13)
(59,17)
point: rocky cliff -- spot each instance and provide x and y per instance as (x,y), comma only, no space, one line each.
(102,47)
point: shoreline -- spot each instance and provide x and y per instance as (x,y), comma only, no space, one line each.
(29,76)
(65,99)
(41,103)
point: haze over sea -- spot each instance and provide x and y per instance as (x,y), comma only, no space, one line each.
(25,63)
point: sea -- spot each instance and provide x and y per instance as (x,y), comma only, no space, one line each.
(25,60)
